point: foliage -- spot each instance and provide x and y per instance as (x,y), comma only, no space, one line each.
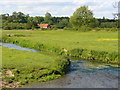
(10,26)
(63,23)
(108,25)
(48,14)
(19,20)
(82,17)
(94,55)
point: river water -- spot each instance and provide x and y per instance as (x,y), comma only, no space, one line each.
(82,74)
(14,46)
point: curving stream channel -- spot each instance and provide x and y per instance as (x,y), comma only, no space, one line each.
(83,74)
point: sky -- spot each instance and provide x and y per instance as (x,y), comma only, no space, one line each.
(59,8)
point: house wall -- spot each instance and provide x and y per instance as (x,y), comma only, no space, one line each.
(44,27)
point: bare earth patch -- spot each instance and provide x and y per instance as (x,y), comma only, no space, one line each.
(5,84)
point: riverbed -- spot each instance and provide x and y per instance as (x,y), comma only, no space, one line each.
(82,74)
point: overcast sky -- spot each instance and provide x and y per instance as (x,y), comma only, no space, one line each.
(100,8)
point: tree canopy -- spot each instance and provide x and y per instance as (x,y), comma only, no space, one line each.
(48,14)
(82,17)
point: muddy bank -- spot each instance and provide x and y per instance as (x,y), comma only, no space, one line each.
(4,83)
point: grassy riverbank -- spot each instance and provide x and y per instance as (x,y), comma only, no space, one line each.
(25,66)
(93,45)
(93,40)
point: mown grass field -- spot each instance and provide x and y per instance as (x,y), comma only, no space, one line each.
(93,40)
(30,66)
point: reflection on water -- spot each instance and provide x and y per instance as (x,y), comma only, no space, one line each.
(14,46)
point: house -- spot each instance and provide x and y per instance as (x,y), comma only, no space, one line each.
(44,25)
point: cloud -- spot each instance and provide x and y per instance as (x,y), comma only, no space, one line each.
(29,2)
(58,7)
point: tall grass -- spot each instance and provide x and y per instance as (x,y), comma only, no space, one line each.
(95,55)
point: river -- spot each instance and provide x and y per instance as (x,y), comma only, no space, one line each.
(82,74)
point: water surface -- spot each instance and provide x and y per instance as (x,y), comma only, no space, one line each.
(14,46)
(84,74)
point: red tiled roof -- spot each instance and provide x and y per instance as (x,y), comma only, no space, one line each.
(43,25)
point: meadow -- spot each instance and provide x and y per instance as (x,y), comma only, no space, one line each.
(93,40)
(92,45)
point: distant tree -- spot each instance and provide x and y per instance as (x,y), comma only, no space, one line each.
(31,23)
(63,23)
(38,19)
(94,23)
(48,18)
(82,17)
(19,17)
(48,14)
(109,25)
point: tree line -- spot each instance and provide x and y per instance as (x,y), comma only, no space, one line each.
(81,18)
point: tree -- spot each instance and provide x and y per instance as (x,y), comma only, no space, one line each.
(38,19)
(63,23)
(31,23)
(48,14)
(48,18)
(19,17)
(82,17)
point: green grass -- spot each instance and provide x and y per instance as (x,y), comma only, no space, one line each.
(92,45)
(31,66)
(71,39)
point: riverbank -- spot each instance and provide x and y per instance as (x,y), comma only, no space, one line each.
(21,67)
(95,48)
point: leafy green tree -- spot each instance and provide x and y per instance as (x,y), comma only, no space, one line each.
(19,17)
(109,25)
(48,18)
(82,17)
(94,23)
(48,14)
(31,23)
(38,19)
(63,23)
